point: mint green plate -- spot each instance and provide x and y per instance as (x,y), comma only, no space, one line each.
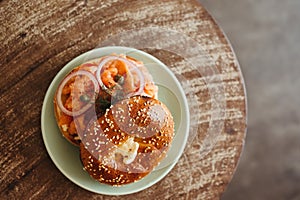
(66,156)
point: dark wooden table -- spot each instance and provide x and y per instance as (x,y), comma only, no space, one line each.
(39,37)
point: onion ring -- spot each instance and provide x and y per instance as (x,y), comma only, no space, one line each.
(63,83)
(130,64)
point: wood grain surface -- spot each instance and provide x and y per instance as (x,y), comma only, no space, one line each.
(37,38)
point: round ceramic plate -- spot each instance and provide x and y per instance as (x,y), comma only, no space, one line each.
(66,156)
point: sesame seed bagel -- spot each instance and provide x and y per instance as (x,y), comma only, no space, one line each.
(128,141)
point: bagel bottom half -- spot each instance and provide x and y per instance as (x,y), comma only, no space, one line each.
(128,141)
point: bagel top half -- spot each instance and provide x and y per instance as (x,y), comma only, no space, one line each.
(128,141)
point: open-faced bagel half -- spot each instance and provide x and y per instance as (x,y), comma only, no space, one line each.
(128,141)
(93,86)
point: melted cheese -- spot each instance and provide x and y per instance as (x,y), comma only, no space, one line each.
(128,150)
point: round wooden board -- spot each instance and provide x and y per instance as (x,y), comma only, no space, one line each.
(39,37)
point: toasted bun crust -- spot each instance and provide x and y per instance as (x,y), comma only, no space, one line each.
(128,141)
